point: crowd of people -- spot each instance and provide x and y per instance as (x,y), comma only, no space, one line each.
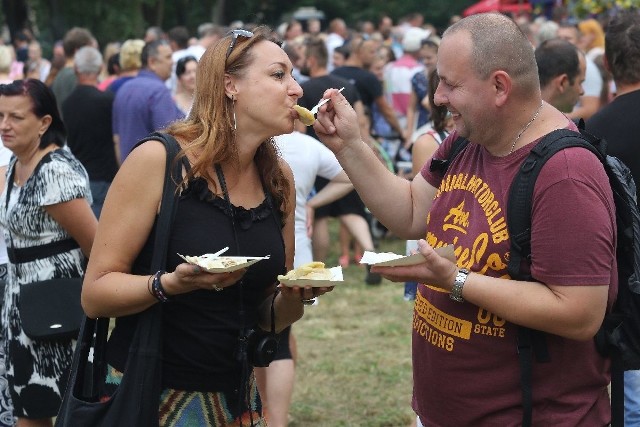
(77,183)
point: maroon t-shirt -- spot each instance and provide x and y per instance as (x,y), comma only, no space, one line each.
(466,369)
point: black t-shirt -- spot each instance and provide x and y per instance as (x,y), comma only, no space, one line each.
(368,85)
(87,117)
(618,124)
(314,88)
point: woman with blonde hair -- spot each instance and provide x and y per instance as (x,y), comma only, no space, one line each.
(235,192)
(591,38)
(130,63)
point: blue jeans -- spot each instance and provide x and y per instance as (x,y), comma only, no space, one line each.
(632,398)
(98,193)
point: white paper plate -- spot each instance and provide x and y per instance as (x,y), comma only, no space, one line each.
(243,262)
(336,279)
(387,259)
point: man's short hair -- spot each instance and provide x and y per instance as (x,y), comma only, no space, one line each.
(74,39)
(499,44)
(622,47)
(154,33)
(180,36)
(150,50)
(318,49)
(209,29)
(556,57)
(88,60)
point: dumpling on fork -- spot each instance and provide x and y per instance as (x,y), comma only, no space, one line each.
(306,117)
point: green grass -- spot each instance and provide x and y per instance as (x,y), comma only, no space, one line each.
(354,354)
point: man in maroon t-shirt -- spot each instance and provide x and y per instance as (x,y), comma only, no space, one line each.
(466,315)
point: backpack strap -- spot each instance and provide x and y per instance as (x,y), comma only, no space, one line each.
(521,192)
(441,165)
(531,343)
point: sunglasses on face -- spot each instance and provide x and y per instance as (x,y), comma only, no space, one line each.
(234,38)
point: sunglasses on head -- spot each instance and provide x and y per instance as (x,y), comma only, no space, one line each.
(234,38)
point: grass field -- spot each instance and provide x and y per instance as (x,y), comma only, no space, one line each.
(354,354)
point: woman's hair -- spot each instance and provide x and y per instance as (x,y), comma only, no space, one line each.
(181,64)
(208,134)
(130,55)
(44,103)
(438,112)
(593,27)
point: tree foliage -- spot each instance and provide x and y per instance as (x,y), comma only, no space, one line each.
(111,20)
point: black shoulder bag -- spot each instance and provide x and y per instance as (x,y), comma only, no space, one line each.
(135,401)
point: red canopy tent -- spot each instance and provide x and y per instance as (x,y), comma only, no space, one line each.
(513,6)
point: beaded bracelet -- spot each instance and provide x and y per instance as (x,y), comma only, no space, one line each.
(156,288)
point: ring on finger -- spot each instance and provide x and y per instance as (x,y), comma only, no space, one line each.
(216,288)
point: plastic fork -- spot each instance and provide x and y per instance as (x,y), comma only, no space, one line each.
(217,254)
(315,109)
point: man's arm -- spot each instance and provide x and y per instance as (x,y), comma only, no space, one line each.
(337,188)
(402,206)
(573,312)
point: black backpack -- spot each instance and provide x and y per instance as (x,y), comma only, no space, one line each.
(619,335)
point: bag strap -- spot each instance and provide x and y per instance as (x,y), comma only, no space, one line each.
(521,192)
(442,165)
(531,343)
(93,332)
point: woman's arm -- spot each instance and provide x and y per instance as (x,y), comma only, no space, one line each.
(423,149)
(77,218)
(109,288)
(126,219)
(411,115)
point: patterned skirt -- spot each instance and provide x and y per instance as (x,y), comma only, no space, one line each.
(6,408)
(179,408)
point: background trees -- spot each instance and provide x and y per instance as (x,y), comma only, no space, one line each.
(112,20)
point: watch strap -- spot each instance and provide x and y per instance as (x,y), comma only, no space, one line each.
(458,284)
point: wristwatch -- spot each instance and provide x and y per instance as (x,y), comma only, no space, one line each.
(458,283)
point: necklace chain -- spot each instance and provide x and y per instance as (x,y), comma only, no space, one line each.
(524,129)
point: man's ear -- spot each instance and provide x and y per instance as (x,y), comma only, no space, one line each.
(561,82)
(502,85)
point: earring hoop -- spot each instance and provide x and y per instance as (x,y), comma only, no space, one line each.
(235,123)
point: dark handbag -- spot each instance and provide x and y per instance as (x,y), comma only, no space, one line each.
(50,309)
(136,399)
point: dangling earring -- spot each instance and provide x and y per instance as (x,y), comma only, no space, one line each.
(235,123)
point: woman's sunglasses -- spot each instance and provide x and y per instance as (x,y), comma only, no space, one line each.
(234,38)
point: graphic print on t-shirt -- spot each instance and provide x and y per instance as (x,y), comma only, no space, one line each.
(466,212)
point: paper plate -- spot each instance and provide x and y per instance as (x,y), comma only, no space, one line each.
(336,279)
(203,261)
(387,259)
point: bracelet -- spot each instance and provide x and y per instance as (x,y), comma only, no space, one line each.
(156,288)
(309,301)
(149,285)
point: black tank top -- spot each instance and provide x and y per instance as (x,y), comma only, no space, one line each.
(201,328)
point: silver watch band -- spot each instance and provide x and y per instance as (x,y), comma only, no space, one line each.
(458,284)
